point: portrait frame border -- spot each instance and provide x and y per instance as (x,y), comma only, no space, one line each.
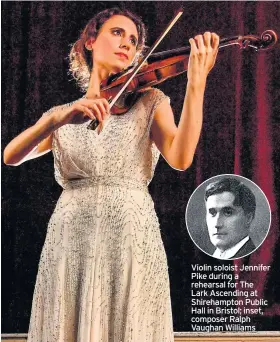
(234,176)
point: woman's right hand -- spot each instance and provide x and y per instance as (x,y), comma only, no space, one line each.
(83,110)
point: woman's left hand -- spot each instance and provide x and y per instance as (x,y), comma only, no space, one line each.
(204,49)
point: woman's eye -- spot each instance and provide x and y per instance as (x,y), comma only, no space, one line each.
(117,32)
(133,41)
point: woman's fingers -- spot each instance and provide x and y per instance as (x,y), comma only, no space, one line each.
(200,44)
(85,110)
(97,112)
(215,40)
(204,49)
(107,105)
(215,44)
(94,108)
(82,113)
(103,108)
(207,41)
(194,48)
(100,107)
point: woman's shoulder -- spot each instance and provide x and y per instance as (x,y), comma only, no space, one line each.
(154,92)
(155,96)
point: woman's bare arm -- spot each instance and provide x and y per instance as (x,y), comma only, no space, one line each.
(37,139)
(178,144)
(26,145)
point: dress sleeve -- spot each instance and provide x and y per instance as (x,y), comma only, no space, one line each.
(159,96)
(51,110)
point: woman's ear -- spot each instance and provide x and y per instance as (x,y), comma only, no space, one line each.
(89,44)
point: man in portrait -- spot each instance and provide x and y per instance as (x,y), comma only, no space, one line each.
(230,210)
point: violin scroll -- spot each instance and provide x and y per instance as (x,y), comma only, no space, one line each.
(266,41)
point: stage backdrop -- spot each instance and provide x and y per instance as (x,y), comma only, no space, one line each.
(240,135)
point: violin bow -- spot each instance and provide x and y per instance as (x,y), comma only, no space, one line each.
(94,123)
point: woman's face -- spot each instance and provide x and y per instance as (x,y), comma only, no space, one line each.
(115,45)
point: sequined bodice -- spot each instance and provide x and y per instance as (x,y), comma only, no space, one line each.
(123,150)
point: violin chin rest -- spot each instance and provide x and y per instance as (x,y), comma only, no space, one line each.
(125,102)
(115,76)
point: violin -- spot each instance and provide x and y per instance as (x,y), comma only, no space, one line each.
(128,85)
(167,64)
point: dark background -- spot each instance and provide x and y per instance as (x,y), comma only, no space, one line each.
(240,135)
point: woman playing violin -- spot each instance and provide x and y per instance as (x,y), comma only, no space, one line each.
(103,272)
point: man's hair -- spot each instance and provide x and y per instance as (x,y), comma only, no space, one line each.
(243,196)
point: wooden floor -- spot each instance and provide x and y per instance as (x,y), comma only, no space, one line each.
(190,337)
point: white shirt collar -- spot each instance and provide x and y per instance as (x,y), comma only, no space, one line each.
(230,252)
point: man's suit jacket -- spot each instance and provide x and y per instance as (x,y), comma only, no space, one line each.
(245,249)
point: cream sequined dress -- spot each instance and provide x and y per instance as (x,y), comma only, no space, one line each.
(103,274)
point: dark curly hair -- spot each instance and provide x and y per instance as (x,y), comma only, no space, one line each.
(80,58)
(244,197)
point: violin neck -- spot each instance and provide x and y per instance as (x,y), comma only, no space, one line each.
(158,56)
